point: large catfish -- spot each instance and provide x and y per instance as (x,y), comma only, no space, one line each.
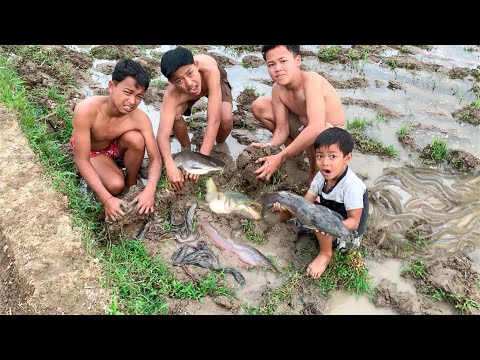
(197,163)
(310,215)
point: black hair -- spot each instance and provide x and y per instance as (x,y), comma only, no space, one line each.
(129,67)
(294,49)
(334,136)
(173,59)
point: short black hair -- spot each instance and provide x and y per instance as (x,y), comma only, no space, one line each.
(129,67)
(294,49)
(335,135)
(175,58)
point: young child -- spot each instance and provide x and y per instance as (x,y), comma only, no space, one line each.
(339,189)
(109,127)
(303,104)
(190,78)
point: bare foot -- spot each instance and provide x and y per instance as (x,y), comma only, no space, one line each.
(318,266)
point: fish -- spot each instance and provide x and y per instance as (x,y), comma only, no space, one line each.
(231,202)
(196,163)
(245,253)
(310,215)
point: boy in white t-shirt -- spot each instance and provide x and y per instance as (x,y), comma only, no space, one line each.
(338,188)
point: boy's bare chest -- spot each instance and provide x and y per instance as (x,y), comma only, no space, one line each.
(295,102)
(103,130)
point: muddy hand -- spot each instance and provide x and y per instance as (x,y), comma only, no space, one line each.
(176,179)
(113,209)
(259,145)
(270,165)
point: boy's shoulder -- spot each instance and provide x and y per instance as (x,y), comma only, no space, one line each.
(90,104)
(352,178)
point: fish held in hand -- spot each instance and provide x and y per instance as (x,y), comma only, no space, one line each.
(197,163)
(311,215)
(231,202)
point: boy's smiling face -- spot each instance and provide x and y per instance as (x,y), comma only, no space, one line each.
(187,79)
(331,162)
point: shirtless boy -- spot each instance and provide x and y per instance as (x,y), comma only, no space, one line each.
(190,78)
(109,127)
(303,104)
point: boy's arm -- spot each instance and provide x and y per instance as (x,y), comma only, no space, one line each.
(146,197)
(315,106)
(81,133)
(353,219)
(165,126)
(214,111)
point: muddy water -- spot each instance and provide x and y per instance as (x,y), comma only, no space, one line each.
(427,98)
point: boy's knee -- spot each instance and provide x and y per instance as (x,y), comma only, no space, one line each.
(134,140)
(115,185)
(259,105)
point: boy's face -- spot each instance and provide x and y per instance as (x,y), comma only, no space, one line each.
(126,94)
(187,79)
(282,65)
(331,162)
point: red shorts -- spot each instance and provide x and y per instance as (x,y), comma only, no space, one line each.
(111,151)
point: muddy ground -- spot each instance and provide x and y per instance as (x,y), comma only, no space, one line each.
(45,270)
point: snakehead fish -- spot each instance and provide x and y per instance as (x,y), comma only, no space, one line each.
(196,163)
(231,202)
(246,253)
(311,215)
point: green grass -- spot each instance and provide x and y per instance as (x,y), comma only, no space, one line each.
(249,229)
(144,285)
(276,296)
(416,269)
(140,284)
(346,272)
(404,130)
(476,103)
(437,149)
(358,124)
(329,53)
(418,237)
(163,182)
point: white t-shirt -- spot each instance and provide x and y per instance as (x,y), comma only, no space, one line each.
(348,193)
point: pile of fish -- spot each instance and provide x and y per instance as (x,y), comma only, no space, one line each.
(203,257)
(314,216)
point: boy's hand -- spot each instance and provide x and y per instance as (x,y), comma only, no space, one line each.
(270,165)
(192,177)
(112,208)
(278,207)
(260,145)
(145,202)
(176,178)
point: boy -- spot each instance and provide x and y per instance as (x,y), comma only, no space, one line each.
(191,77)
(109,127)
(338,189)
(303,104)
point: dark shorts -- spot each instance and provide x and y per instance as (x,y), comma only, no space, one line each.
(296,127)
(224,86)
